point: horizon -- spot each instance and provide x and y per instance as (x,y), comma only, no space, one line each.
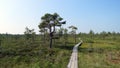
(86,15)
(68,33)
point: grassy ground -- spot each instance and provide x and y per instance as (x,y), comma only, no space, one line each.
(58,59)
(94,53)
(100,54)
(25,54)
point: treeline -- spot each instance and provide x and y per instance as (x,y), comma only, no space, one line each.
(63,33)
(101,35)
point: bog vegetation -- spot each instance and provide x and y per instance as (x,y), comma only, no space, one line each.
(53,46)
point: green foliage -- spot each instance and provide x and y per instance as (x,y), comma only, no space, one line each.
(17,52)
(73,31)
(29,34)
(22,53)
(88,40)
(104,54)
(49,22)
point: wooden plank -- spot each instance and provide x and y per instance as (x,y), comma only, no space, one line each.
(73,63)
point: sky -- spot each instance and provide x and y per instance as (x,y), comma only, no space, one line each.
(86,15)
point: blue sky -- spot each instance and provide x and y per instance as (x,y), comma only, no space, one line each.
(96,15)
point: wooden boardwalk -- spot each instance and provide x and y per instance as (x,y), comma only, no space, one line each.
(73,63)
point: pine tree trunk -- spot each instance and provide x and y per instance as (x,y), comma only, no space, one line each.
(51,34)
